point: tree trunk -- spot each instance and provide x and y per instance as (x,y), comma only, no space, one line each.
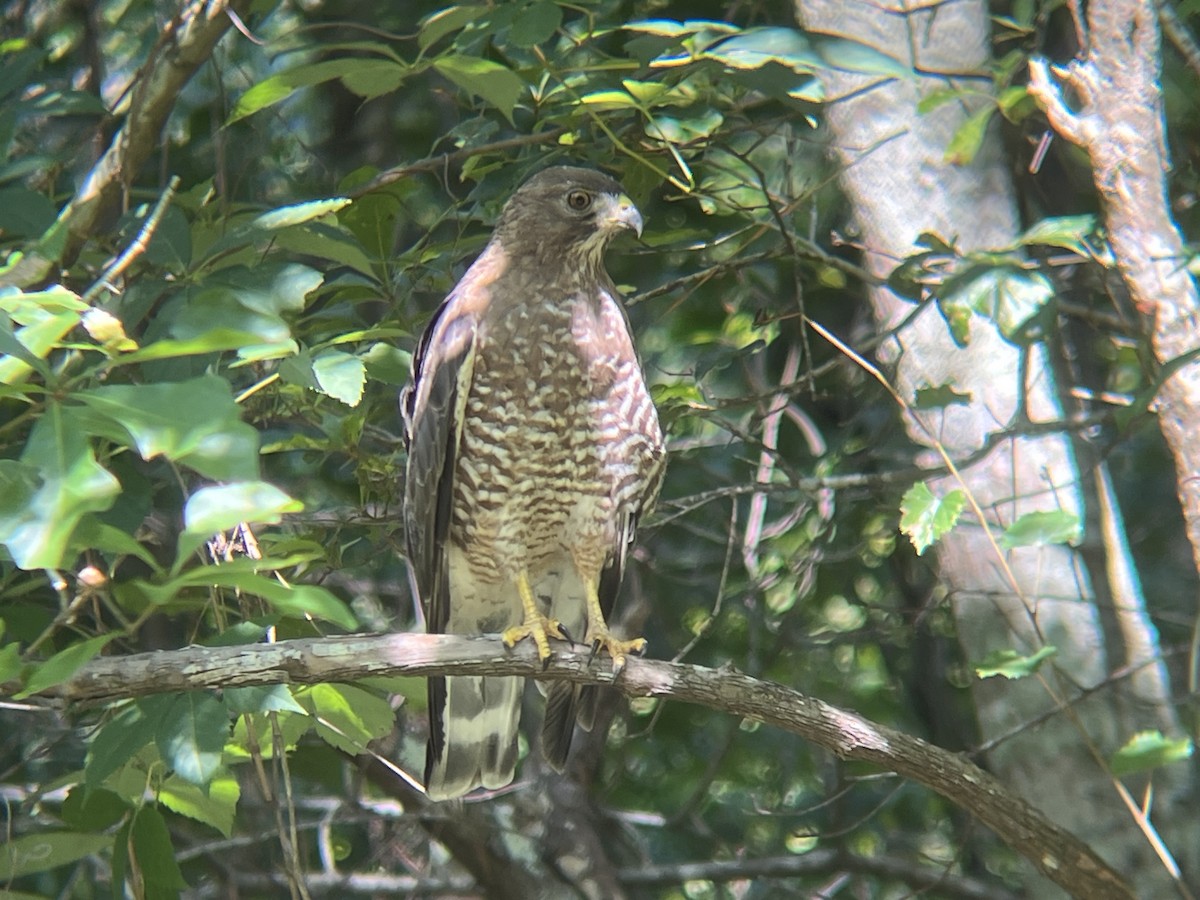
(895,173)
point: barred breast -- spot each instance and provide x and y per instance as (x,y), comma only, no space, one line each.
(560,442)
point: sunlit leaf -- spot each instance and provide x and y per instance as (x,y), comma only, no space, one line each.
(492,82)
(221,507)
(1068,232)
(968,137)
(348,717)
(1150,750)
(849,55)
(1036,529)
(58,482)
(1012,664)
(44,319)
(672,28)
(375,77)
(214,805)
(340,375)
(925,518)
(297,214)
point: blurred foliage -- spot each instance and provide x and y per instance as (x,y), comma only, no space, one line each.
(244,369)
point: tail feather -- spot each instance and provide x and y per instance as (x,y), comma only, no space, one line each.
(473,735)
(558,726)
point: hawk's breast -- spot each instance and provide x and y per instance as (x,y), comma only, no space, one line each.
(559,438)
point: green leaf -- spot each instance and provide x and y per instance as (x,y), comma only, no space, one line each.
(387,363)
(32,853)
(115,744)
(1068,232)
(672,28)
(535,24)
(265,698)
(330,241)
(349,717)
(611,99)
(340,375)
(216,340)
(375,77)
(1007,295)
(191,732)
(968,138)
(940,397)
(64,664)
(45,318)
(1150,750)
(93,810)
(213,806)
(298,601)
(755,47)
(492,82)
(447,21)
(297,214)
(1011,664)
(25,213)
(1037,529)
(221,507)
(195,423)
(59,482)
(151,845)
(10,661)
(279,87)
(684,131)
(925,518)
(849,55)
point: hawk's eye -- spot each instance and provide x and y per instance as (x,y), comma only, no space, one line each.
(579,200)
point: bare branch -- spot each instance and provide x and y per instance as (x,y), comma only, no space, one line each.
(1055,852)
(186,43)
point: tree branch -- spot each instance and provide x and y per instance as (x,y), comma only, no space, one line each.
(186,43)
(1119,121)
(1055,852)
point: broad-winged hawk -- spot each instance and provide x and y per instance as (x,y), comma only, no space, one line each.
(533,451)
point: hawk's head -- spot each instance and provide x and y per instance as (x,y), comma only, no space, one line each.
(569,212)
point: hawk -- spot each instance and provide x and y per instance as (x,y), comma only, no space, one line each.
(533,451)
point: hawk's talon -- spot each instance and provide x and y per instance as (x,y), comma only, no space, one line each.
(617,649)
(540,628)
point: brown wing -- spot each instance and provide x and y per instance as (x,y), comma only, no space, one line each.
(432,407)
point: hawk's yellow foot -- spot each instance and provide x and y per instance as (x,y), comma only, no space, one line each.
(616,648)
(536,625)
(601,637)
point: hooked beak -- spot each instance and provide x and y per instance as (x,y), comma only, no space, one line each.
(621,213)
